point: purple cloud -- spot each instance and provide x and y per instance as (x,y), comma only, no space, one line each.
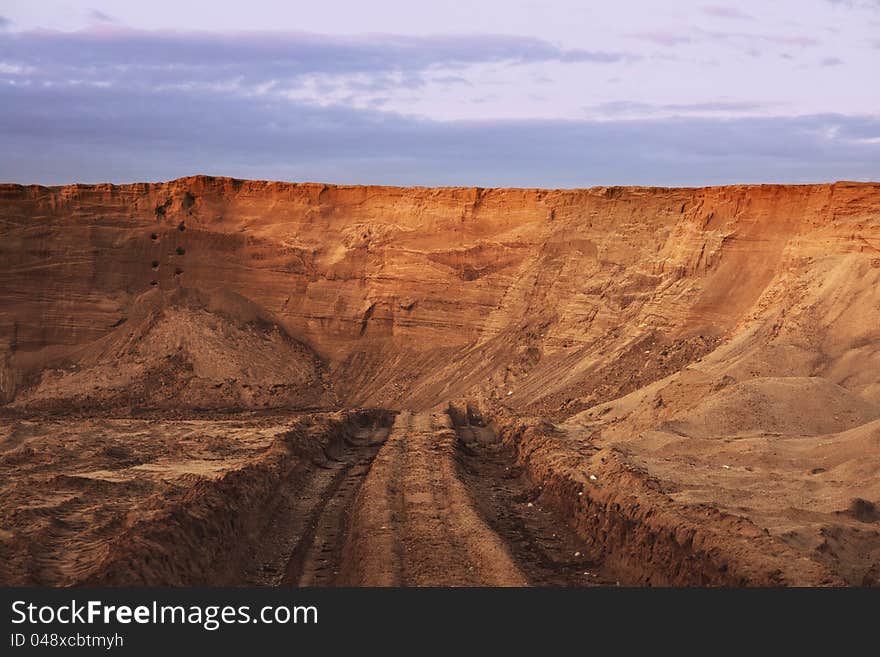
(723,11)
(707,107)
(794,40)
(668,38)
(98,16)
(57,135)
(864,4)
(156,57)
(113,103)
(675,37)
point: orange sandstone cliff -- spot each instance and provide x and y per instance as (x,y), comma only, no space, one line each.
(726,340)
(409,296)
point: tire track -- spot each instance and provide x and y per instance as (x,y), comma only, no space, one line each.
(426,502)
(317,558)
(302,541)
(545,548)
(414,509)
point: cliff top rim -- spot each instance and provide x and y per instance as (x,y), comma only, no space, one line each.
(205,179)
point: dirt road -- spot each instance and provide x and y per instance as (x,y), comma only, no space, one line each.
(399,508)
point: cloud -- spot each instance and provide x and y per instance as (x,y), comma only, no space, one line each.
(630,108)
(14,69)
(87,133)
(151,58)
(98,16)
(112,103)
(379,70)
(451,79)
(856,4)
(4,22)
(666,38)
(722,11)
(686,35)
(831,61)
(795,40)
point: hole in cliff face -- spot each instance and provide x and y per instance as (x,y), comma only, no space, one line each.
(864,510)
(365,320)
(181,226)
(154,264)
(154,282)
(178,271)
(188,201)
(180,250)
(154,236)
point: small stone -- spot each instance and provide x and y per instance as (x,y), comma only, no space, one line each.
(530,505)
(593,477)
(726,467)
(577,554)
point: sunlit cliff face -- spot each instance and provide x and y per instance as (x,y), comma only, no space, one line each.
(687,378)
(409,296)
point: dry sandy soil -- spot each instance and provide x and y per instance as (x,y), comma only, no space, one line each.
(216,381)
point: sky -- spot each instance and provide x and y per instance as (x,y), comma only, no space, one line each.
(551,93)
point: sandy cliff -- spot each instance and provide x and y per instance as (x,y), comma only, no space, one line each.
(725,340)
(411,296)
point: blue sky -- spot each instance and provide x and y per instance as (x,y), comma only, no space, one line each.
(535,94)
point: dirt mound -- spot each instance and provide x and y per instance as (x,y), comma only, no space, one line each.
(790,406)
(184,349)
